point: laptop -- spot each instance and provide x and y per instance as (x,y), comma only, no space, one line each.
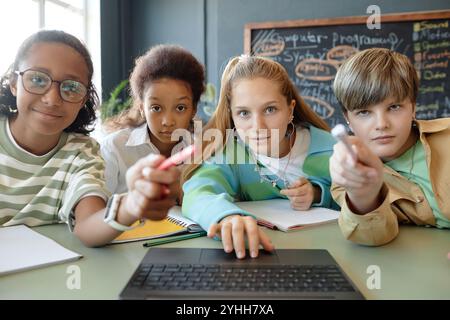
(191,273)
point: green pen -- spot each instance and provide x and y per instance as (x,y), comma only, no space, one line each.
(156,242)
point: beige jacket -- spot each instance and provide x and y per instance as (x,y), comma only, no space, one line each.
(404,201)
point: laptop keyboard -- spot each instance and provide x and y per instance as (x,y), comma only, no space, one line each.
(260,278)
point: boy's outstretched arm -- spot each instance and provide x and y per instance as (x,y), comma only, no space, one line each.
(366,213)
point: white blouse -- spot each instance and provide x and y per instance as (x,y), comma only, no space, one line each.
(122,149)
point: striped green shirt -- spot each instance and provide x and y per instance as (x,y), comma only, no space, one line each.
(37,190)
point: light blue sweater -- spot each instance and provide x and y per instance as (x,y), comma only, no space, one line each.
(210,193)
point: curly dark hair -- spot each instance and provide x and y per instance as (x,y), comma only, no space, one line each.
(86,116)
(161,61)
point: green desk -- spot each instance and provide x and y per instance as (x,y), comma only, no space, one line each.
(414,266)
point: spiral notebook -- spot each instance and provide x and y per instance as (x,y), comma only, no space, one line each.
(174,224)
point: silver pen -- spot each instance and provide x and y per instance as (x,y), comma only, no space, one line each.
(340,133)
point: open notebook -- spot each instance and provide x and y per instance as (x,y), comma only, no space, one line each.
(278,214)
(174,224)
(22,248)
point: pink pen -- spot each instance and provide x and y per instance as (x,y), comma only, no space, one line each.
(174,160)
(177,158)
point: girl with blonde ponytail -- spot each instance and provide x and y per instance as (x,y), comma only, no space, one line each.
(269,144)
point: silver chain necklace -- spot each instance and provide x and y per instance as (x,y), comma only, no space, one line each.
(264,177)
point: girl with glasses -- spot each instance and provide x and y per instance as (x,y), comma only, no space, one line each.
(50,170)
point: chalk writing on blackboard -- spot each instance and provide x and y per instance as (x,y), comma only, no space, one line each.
(313,50)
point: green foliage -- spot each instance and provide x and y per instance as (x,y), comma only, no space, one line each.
(114,105)
(207,103)
(210,93)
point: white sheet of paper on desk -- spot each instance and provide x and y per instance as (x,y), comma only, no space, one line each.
(278,213)
(22,248)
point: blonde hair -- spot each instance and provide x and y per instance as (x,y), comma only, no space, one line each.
(250,67)
(372,76)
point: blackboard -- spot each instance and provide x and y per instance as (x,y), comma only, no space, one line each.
(312,51)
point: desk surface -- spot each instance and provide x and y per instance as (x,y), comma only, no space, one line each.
(413,266)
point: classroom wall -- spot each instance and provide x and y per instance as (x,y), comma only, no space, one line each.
(115,47)
(129,28)
(213,29)
(169,21)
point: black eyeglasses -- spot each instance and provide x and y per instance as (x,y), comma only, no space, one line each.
(38,82)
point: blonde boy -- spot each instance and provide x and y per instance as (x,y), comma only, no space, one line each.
(401,174)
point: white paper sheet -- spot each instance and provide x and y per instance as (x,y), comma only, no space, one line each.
(22,248)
